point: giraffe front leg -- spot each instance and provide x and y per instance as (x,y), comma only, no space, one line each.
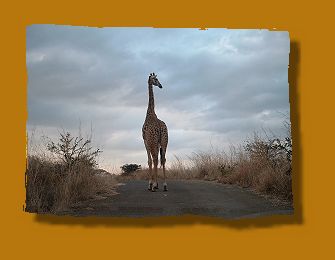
(164,184)
(150,172)
(155,182)
(163,160)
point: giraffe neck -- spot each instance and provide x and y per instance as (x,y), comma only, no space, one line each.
(151,104)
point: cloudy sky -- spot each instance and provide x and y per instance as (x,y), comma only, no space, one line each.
(219,85)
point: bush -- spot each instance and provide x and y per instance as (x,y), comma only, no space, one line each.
(53,185)
(43,180)
(129,168)
(262,164)
(73,150)
(273,151)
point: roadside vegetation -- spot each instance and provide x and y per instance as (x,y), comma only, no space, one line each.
(61,174)
(128,169)
(262,163)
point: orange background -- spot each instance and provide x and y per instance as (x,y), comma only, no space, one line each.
(307,233)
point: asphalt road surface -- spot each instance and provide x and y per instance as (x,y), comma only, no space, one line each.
(183,197)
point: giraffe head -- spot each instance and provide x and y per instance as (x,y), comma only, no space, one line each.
(153,80)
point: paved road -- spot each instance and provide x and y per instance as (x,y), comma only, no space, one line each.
(184,197)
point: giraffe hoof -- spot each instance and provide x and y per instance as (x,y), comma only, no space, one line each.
(150,186)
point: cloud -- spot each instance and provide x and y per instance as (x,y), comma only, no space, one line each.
(217,84)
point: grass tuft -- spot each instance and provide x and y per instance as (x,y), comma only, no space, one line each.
(54,184)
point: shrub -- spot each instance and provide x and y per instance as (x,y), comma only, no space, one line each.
(262,164)
(53,185)
(129,168)
(73,150)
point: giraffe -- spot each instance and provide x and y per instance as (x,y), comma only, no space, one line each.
(155,136)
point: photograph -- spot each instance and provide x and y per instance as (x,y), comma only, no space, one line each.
(149,122)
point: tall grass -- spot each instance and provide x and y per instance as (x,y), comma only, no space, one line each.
(262,164)
(54,184)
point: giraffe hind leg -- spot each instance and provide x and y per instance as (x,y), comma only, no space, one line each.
(155,161)
(163,160)
(150,177)
(150,174)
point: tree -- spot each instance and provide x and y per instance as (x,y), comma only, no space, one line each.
(128,168)
(74,150)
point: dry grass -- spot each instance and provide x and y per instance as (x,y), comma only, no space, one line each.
(177,170)
(263,168)
(262,177)
(266,172)
(53,186)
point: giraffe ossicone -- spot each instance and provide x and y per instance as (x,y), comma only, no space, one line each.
(155,136)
